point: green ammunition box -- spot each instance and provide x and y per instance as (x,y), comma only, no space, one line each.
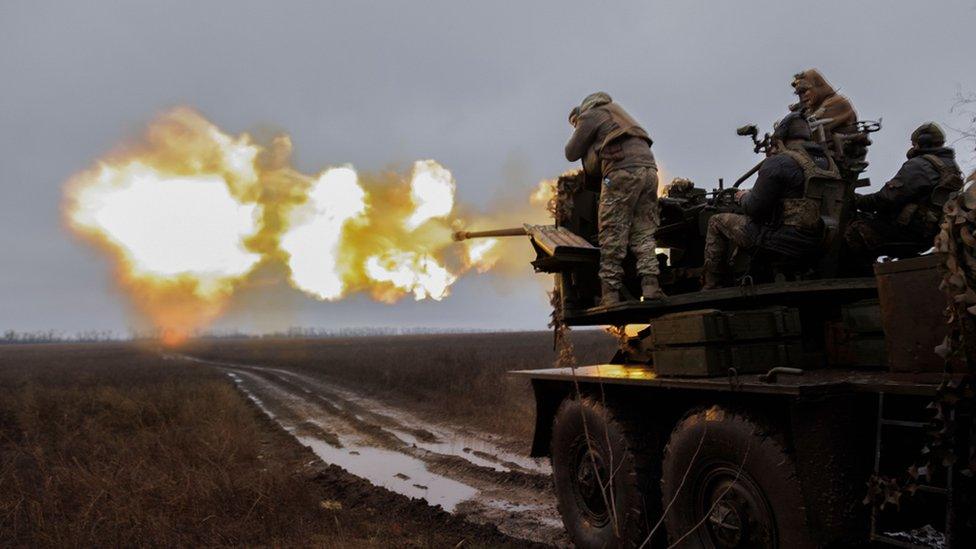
(858,351)
(863,317)
(716,360)
(713,326)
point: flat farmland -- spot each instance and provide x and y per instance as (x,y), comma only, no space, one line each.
(360,441)
(463,377)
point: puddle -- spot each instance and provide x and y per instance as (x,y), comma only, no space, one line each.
(397,450)
(537,511)
(449,442)
(388,468)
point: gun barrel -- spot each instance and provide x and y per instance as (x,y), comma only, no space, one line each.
(464,235)
(748,174)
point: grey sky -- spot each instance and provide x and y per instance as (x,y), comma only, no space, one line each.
(483,88)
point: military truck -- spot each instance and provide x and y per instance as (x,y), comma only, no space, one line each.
(803,407)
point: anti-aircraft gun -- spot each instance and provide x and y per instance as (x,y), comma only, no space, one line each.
(781,412)
(569,249)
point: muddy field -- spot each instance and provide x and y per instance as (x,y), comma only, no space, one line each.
(416,440)
(459,378)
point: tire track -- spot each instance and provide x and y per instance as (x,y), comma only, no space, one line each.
(461,472)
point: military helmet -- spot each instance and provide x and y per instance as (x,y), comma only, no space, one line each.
(928,136)
(595,99)
(792,126)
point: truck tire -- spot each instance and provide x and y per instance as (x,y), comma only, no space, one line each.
(730,483)
(616,444)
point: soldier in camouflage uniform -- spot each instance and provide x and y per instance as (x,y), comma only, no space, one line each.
(776,216)
(628,212)
(908,209)
(820,102)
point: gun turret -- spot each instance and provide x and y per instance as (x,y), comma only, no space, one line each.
(458,236)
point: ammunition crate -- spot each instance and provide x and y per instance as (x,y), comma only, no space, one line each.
(716,360)
(713,326)
(855,350)
(857,340)
(863,317)
(710,342)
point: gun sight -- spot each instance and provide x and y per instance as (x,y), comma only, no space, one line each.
(749,130)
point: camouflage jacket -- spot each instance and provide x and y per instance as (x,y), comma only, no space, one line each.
(617,139)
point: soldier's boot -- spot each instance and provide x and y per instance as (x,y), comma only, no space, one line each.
(610,294)
(712,279)
(651,288)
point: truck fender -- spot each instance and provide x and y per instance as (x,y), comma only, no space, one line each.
(548,395)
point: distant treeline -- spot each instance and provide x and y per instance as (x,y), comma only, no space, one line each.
(52,336)
(296,332)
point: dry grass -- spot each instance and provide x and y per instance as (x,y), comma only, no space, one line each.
(112,445)
(107,445)
(455,377)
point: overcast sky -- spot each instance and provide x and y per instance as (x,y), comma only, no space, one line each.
(484,88)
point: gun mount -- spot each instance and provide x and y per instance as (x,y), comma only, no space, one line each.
(569,248)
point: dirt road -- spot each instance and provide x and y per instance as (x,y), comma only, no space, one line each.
(465,473)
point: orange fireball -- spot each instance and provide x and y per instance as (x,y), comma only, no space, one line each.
(189,212)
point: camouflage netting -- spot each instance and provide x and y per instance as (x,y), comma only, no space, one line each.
(955,400)
(561,204)
(565,353)
(957,240)
(678,187)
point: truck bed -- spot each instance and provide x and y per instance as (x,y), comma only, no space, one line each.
(811,382)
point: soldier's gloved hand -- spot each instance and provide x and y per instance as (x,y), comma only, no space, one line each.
(739,195)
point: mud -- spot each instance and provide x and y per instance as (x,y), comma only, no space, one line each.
(467,474)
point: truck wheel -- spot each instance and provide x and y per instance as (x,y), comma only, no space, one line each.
(730,484)
(600,509)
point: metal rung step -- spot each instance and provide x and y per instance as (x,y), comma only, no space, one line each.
(901,423)
(931,489)
(897,542)
(946,491)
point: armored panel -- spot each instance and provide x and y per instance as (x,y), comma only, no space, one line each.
(717,360)
(558,249)
(555,240)
(912,308)
(714,326)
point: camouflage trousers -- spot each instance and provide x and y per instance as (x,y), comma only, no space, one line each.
(628,217)
(725,231)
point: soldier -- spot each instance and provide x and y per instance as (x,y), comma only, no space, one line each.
(628,212)
(819,101)
(590,160)
(908,209)
(776,214)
